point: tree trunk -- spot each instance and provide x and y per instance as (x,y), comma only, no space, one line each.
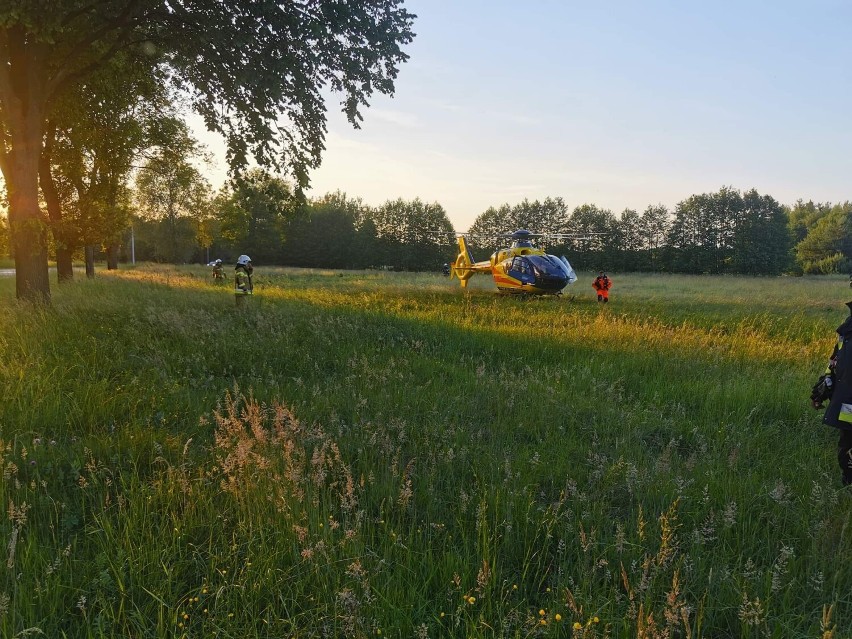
(112,257)
(27,227)
(22,105)
(64,263)
(27,230)
(54,209)
(90,261)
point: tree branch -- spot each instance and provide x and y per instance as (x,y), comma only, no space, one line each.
(123,22)
(116,23)
(73,15)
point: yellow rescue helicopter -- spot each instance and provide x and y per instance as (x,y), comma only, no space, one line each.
(519,268)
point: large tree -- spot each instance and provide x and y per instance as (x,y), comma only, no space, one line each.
(654,226)
(584,234)
(334,233)
(94,134)
(596,242)
(762,241)
(411,235)
(728,232)
(548,216)
(629,234)
(827,248)
(803,216)
(171,190)
(254,211)
(244,64)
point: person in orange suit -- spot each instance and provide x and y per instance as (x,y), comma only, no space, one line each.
(602,284)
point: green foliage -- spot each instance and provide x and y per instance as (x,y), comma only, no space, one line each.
(761,242)
(327,235)
(253,71)
(724,232)
(727,232)
(254,211)
(412,235)
(95,134)
(629,240)
(548,216)
(166,241)
(597,246)
(361,452)
(803,216)
(263,61)
(4,236)
(827,247)
(172,193)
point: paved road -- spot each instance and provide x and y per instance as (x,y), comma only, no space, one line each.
(10,272)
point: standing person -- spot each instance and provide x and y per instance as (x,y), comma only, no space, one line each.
(602,284)
(835,385)
(242,278)
(218,270)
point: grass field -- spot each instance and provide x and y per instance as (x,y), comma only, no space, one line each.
(375,454)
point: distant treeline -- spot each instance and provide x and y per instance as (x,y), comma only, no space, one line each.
(723,232)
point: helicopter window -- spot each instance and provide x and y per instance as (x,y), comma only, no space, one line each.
(521,266)
(544,264)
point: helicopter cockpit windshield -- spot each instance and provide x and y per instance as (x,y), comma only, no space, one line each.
(549,271)
(546,265)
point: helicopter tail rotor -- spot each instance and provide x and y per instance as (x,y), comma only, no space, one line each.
(462,266)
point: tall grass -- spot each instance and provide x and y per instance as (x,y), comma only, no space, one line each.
(374,454)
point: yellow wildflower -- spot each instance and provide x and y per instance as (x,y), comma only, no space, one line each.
(541,612)
(471,600)
(558,617)
(578,625)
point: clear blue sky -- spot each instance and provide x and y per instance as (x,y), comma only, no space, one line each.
(621,104)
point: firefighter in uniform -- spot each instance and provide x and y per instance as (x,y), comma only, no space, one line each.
(602,284)
(218,270)
(242,278)
(835,385)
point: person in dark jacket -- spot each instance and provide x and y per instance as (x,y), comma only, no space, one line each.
(835,385)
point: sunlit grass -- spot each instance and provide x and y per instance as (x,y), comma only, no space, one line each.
(383,454)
